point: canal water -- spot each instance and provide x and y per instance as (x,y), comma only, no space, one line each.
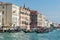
(55,35)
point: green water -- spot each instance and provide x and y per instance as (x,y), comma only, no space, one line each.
(55,35)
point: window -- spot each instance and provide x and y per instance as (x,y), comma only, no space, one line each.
(0,6)
(0,18)
(14,7)
(14,11)
(40,19)
(14,19)
(24,22)
(40,23)
(3,7)
(22,12)
(26,14)
(2,12)
(26,18)
(40,16)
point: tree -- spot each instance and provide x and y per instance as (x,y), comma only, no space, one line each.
(52,25)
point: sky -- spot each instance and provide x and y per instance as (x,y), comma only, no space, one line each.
(49,8)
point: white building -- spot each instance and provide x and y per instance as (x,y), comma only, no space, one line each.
(9,14)
(48,23)
(56,24)
(15,15)
(40,20)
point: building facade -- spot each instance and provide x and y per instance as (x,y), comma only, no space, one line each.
(48,23)
(55,24)
(24,18)
(9,14)
(33,19)
(40,20)
(37,19)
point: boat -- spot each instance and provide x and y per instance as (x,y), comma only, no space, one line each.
(27,29)
(40,30)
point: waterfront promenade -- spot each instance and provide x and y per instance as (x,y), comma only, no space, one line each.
(17,29)
(32,30)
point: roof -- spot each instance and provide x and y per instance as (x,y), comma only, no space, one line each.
(5,3)
(33,12)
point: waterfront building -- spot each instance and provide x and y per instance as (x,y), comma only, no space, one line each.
(33,19)
(40,20)
(24,16)
(56,24)
(48,23)
(37,19)
(9,14)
